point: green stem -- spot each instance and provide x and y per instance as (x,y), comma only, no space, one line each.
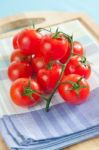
(53,92)
(62,72)
(40,29)
(33,26)
(56,35)
(42,96)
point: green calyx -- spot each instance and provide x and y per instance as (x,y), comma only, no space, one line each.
(28,92)
(84,61)
(58,34)
(49,66)
(76,86)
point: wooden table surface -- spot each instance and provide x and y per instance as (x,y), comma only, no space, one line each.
(91,144)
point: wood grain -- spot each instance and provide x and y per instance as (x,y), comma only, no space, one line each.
(92,144)
(3,146)
(50,18)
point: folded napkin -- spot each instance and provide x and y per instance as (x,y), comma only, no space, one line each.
(63,125)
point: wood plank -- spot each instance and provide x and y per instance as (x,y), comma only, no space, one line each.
(3,146)
(49,18)
(92,144)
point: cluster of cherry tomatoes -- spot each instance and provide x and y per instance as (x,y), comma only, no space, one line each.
(36,66)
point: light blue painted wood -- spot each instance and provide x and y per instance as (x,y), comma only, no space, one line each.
(11,7)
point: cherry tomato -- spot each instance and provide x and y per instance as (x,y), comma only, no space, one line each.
(29,41)
(17,55)
(64,59)
(48,77)
(19,69)
(38,54)
(23,97)
(78,65)
(14,41)
(77,49)
(74,89)
(38,63)
(53,48)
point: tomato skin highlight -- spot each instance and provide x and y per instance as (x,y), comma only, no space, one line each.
(17,55)
(53,48)
(29,41)
(70,96)
(47,78)
(19,69)
(38,63)
(76,66)
(17,90)
(15,41)
(77,50)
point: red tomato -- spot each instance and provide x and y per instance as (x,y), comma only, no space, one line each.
(17,55)
(19,94)
(74,89)
(53,48)
(14,41)
(64,59)
(29,41)
(19,69)
(48,77)
(38,54)
(38,63)
(78,65)
(77,49)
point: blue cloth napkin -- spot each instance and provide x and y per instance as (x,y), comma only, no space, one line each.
(63,125)
(74,124)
